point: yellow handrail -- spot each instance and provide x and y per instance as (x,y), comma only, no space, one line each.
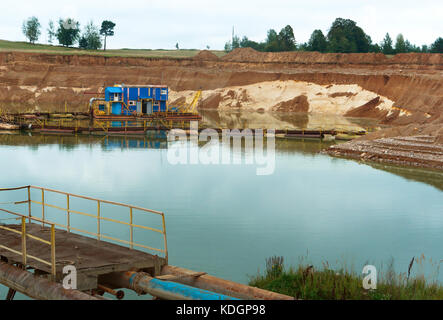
(98,216)
(24,235)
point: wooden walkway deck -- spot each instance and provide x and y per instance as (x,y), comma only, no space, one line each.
(91,257)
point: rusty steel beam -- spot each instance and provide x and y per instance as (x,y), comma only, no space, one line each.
(37,287)
(221,286)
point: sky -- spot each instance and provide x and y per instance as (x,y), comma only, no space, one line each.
(199,23)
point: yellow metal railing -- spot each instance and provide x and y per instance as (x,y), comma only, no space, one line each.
(25,235)
(102,125)
(96,215)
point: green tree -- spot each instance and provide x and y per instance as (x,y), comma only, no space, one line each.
(424,48)
(303,47)
(107,30)
(235,42)
(375,48)
(83,43)
(286,39)
(31,29)
(228,46)
(246,43)
(91,38)
(400,46)
(176,46)
(386,45)
(272,43)
(317,42)
(51,31)
(437,46)
(68,32)
(411,47)
(345,36)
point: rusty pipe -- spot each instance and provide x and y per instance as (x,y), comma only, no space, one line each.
(143,283)
(37,287)
(221,286)
(118,294)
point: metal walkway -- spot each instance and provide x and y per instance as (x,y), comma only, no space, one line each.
(46,246)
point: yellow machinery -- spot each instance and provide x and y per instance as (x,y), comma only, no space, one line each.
(189,108)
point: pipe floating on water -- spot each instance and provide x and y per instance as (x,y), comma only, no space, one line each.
(38,287)
(221,286)
(168,290)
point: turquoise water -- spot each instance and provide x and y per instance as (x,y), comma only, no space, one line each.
(225,220)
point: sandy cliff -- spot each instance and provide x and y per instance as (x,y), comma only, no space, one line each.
(401,90)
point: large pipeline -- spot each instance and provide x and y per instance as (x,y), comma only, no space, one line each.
(221,286)
(37,287)
(167,290)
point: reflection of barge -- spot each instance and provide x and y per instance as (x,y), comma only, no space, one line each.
(122,102)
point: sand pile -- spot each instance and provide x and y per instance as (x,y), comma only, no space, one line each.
(296,96)
(205,55)
(244,54)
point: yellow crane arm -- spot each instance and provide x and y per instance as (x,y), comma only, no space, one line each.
(193,105)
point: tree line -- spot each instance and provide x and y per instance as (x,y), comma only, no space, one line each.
(343,36)
(68,33)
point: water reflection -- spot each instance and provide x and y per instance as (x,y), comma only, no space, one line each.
(284,120)
(159,140)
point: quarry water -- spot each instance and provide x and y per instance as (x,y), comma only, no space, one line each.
(226,220)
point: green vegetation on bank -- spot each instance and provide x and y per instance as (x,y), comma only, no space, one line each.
(344,36)
(144,53)
(309,283)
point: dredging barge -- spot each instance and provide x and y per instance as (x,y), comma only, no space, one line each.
(123,103)
(55,240)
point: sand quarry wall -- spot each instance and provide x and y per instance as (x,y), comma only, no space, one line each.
(413,82)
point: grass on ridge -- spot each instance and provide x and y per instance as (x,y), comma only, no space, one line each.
(22,46)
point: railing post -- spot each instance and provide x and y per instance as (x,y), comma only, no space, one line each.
(69,214)
(98,219)
(53,269)
(24,241)
(132,228)
(29,203)
(164,237)
(43,207)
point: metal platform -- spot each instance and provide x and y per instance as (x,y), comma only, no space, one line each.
(91,257)
(47,246)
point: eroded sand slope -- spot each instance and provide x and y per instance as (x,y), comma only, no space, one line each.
(289,96)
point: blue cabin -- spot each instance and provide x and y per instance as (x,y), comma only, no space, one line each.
(131,100)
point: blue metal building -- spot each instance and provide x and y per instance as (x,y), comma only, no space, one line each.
(127,100)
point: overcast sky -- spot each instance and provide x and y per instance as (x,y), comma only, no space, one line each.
(198,23)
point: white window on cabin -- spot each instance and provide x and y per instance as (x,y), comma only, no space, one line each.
(116,96)
(164,91)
